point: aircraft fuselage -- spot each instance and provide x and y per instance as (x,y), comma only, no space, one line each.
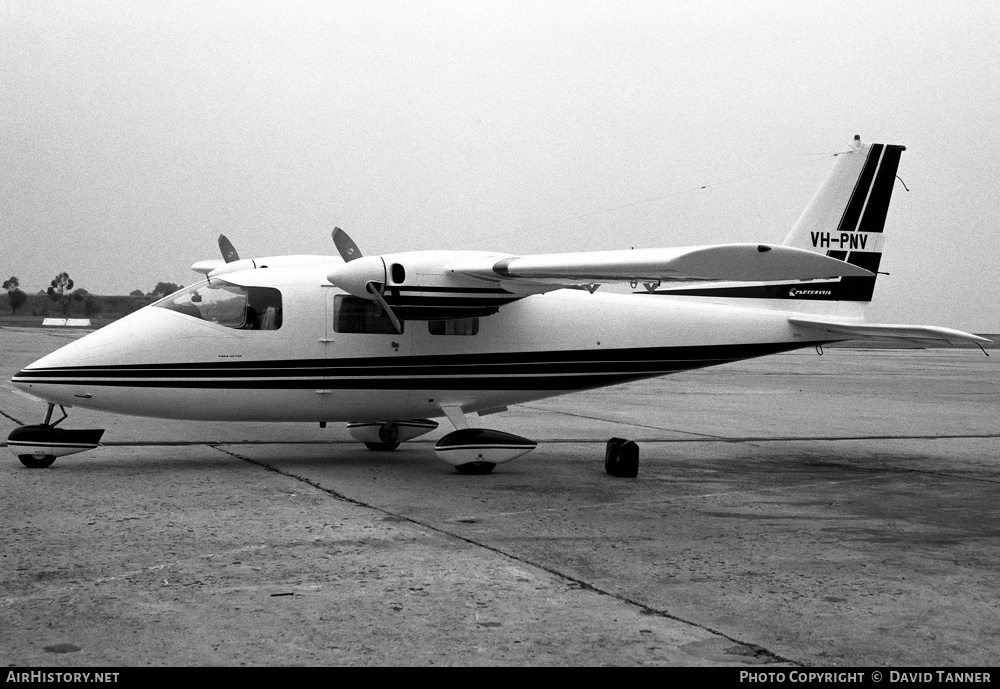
(163,363)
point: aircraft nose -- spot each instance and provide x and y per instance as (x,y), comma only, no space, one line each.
(97,348)
(60,377)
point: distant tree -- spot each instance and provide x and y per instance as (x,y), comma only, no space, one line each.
(17,299)
(59,291)
(162,289)
(14,295)
(137,293)
(81,295)
(91,305)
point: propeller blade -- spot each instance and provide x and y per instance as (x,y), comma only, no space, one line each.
(345,245)
(228,250)
(385,306)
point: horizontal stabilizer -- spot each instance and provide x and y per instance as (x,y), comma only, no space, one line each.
(729,262)
(919,333)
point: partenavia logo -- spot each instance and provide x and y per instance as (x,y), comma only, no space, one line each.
(796,292)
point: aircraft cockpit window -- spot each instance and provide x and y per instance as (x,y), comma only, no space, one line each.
(242,308)
(458,326)
(356,315)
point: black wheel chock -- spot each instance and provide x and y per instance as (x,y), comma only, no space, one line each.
(621,458)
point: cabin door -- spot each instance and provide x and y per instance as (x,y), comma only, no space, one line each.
(366,360)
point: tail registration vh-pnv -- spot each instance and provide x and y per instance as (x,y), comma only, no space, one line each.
(388,343)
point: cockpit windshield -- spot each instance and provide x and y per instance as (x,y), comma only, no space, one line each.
(242,308)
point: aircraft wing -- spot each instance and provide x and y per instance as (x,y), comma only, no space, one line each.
(918,333)
(728,262)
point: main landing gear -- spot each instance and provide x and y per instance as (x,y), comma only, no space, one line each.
(472,451)
(477,451)
(38,445)
(384,436)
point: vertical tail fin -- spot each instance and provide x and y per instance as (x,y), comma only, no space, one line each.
(846,217)
(844,220)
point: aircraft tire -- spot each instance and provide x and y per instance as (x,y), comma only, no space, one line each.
(475,468)
(33,462)
(381,447)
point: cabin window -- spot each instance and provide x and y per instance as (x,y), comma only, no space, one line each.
(263,309)
(356,315)
(459,326)
(241,308)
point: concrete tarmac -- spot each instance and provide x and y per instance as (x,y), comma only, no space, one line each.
(836,510)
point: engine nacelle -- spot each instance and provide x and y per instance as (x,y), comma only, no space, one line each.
(419,285)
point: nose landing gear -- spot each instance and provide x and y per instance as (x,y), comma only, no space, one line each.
(38,445)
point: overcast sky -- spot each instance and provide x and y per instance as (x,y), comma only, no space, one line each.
(134,133)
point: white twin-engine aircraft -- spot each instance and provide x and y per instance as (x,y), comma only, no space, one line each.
(387,343)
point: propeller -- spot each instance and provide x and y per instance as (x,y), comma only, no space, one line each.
(228,250)
(361,276)
(345,245)
(373,289)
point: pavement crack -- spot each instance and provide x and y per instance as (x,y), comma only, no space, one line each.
(308,481)
(754,650)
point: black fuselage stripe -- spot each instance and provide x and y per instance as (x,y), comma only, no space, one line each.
(470,383)
(539,376)
(443,362)
(375,371)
